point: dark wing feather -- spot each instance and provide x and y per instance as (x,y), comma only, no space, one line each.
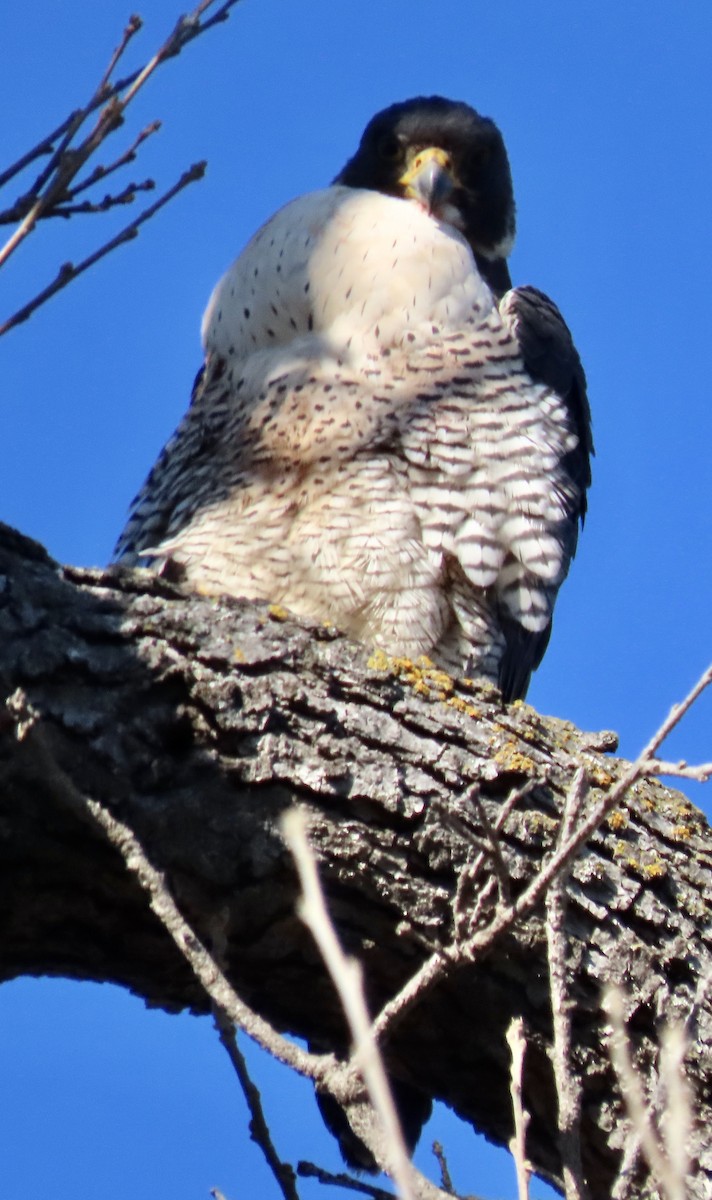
(551,358)
(154,511)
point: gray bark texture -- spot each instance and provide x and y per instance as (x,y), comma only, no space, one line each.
(198,721)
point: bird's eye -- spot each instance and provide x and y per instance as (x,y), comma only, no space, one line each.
(388,146)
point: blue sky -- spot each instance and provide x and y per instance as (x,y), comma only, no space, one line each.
(606,111)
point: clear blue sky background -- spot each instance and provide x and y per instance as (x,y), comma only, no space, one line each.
(606,109)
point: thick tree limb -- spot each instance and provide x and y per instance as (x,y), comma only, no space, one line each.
(198,722)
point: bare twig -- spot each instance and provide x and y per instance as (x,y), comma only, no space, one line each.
(308,1170)
(128,156)
(53,189)
(190,28)
(665,1148)
(575,833)
(445,1177)
(45,146)
(441,960)
(702,773)
(533,894)
(444,959)
(492,852)
(568,1086)
(434,969)
(132,27)
(206,970)
(283,1173)
(68,272)
(126,196)
(346,974)
(495,849)
(518,1143)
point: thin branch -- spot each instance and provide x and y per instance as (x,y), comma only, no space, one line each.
(100,172)
(68,272)
(346,974)
(701,773)
(432,970)
(676,1117)
(495,849)
(308,1170)
(45,146)
(445,958)
(126,196)
(52,186)
(29,730)
(284,1174)
(665,1170)
(103,93)
(518,1142)
(132,27)
(445,1176)
(568,1086)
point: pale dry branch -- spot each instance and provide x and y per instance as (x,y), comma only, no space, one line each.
(432,971)
(442,960)
(518,1144)
(561,857)
(676,1116)
(667,1159)
(283,1173)
(702,773)
(206,970)
(568,1087)
(346,975)
(141,664)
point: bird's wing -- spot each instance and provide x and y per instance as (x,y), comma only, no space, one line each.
(551,358)
(164,504)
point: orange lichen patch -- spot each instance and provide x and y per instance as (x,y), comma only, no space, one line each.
(424,678)
(510,757)
(238,655)
(655,870)
(617,820)
(602,779)
(278,613)
(684,812)
(462,706)
(681,833)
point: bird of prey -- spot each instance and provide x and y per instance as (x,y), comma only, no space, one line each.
(385,433)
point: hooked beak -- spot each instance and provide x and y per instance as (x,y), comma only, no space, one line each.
(428,178)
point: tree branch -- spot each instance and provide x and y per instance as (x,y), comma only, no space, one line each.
(68,272)
(196,723)
(53,191)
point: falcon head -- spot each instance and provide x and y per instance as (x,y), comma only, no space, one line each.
(444,156)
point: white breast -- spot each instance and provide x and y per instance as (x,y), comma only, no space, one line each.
(348,266)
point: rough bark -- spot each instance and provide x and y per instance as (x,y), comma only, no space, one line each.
(198,721)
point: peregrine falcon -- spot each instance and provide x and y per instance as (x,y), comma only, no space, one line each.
(385,433)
